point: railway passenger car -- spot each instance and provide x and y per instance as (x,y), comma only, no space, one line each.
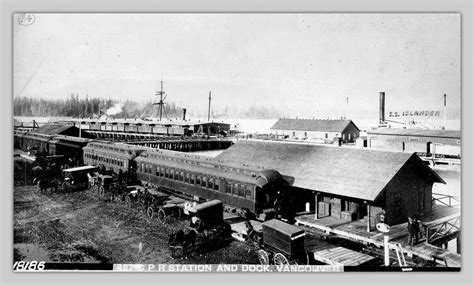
(37,142)
(114,156)
(202,178)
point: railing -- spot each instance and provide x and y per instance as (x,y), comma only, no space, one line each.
(442,229)
(447,200)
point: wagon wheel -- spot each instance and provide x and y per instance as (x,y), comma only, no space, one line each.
(303,259)
(150,212)
(66,187)
(95,188)
(128,201)
(280,259)
(176,213)
(162,216)
(101,190)
(263,257)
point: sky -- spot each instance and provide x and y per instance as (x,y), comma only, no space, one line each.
(307,65)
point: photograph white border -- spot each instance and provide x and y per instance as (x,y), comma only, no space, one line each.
(465,7)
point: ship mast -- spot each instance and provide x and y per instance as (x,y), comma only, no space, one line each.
(161,101)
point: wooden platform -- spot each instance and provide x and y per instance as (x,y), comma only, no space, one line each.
(335,255)
(357,231)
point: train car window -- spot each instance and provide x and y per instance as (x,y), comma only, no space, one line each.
(181,174)
(204,181)
(210,184)
(241,192)
(193,178)
(217,182)
(188,177)
(248,192)
(198,179)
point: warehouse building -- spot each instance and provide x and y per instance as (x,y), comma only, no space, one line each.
(414,140)
(327,130)
(344,183)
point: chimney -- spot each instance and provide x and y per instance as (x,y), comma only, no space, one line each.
(444,113)
(382,108)
(184,114)
(209,109)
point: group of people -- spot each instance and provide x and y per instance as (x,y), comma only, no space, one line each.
(414,232)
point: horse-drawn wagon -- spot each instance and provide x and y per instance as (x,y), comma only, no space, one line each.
(154,202)
(206,228)
(282,244)
(76,178)
(132,194)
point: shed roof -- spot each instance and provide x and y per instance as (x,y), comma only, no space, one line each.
(349,172)
(416,132)
(312,125)
(52,129)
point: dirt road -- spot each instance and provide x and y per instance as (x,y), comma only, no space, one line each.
(83,227)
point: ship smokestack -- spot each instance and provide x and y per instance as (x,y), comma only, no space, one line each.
(444,112)
(382,107)
(184,114)
(209,109)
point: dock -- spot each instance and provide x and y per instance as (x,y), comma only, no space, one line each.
(332,254)
(441,216)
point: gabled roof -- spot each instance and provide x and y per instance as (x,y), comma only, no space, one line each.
(417,133)
(349,172)
(312,125)
(52,129)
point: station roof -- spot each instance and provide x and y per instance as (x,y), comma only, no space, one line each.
(312,125)
(52,129)
(416,133)
(349,172)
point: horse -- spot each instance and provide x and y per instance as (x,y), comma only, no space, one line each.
(43,185)
(183,240)
(176,240)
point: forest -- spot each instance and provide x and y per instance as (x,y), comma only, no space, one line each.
(95,107)
(75,107)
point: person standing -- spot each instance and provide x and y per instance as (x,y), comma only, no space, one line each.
(411,231)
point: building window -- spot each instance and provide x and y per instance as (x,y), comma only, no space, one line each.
(326,135)
(294,134)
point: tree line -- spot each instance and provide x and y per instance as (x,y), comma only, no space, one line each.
(75,107)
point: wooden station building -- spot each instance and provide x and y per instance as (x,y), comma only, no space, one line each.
(344,184)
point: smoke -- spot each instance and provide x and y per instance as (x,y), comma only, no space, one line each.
(116,109)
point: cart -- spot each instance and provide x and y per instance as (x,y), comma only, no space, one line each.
(206,229)
(154,201)
(76,178)
(283,244)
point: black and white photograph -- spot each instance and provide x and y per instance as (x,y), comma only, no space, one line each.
(236,142)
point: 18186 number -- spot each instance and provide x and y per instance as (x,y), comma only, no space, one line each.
(28,265)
